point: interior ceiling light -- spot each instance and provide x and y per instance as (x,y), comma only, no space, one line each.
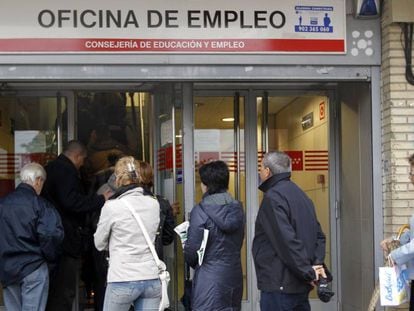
(230,119)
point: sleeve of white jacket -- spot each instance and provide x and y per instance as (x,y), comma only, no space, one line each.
(103,231)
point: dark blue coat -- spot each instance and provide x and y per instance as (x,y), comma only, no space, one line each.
(31,234)
(288,238)
(218,282)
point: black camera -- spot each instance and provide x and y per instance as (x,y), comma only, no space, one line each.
(323,289)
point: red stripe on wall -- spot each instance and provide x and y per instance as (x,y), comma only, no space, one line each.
(171,45)
(316,160)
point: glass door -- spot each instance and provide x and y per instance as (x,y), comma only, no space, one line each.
(219,131)
(144,123)
(168,168)
(32,129)
(112,124)
(300,126)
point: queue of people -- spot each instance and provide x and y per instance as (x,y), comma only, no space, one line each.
(41,237)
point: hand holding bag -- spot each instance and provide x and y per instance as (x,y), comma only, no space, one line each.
(393,244)
(162,269)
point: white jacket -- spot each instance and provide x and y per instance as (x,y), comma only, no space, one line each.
(130,258)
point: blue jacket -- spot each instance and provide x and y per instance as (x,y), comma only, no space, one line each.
(30,234)
(405,253)
(218,282)
(288,238)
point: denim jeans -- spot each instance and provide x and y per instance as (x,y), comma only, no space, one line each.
(278,301)
(30,294)
(143,295)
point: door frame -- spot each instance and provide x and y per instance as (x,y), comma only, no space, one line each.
(250,92)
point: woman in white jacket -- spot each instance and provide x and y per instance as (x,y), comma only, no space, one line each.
(132,274)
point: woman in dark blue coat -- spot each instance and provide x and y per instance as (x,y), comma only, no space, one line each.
(218,281)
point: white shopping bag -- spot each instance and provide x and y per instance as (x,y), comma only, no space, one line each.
(393,286)
(182,231)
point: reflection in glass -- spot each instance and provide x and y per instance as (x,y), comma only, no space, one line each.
(27,134)
(115,121)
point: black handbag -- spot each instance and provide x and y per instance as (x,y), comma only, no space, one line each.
(188,287)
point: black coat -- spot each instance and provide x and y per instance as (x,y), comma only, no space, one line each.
(31,234)
(165,234)
(288,238)
(64,189)
(218,282)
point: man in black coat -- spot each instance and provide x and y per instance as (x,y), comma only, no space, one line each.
(289,245)
(64,189)
(31,234)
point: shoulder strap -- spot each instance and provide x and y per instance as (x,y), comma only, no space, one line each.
(144,231)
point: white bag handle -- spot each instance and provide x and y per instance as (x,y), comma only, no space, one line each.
(162,269)
(158,262)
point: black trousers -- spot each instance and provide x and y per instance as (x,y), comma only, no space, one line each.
(277,301)
(412,296)
(62,288)
(100,270)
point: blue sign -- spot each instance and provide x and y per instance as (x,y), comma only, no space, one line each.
(314,19)
(179,179)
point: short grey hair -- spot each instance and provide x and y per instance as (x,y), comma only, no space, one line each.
(32,171)
(278,162)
